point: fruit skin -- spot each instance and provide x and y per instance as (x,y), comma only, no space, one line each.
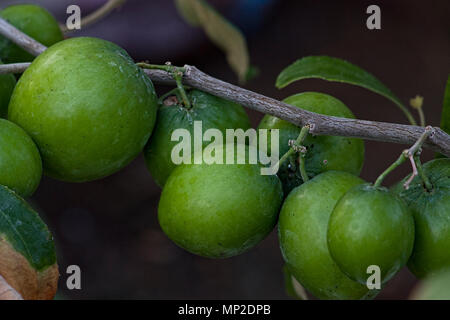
(214,112)
(219,210)
(7,84)
(370,226)
(302,231)
(34,21)
(324,152)
(431,212)
(87,106)
(20,162)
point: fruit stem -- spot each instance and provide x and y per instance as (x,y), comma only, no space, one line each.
(391,168)
(407,154)
(302,161)
(296,146)
(176,73)
(422,174)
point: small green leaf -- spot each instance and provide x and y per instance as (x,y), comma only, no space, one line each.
(293,288)
(220,31)
(445,118)
(187,11)
(24,230)
(334,69)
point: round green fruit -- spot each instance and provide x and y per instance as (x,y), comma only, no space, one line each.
(7,84)
(34,21)
(20,162)
(213,112)
(302,230)
(324,152)
(431,209)
(87,106)
(219,210)
(370,226)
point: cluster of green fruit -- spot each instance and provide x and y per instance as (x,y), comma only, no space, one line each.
(87,110)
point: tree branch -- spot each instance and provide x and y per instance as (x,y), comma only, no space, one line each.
(21,39)
(438,141)
(14,67)
(97,15)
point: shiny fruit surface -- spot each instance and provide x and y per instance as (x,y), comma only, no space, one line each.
(34,21)
(370,226)
(213,112)
(20,162)
(324,152)
(302,231)
(219,210)
(431,209)
(87,106)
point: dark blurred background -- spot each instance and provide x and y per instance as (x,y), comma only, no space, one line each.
(109,227)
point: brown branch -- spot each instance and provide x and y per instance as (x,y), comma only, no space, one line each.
(21,39)
(14,67)
(438,141)
(97,15)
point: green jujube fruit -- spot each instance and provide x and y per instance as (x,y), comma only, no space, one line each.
(20,162)
(7,84)
(213,112)
(370,226)
(34,21)
(219,210)
(431,210)
(302,231)
(87,106)
(324,153)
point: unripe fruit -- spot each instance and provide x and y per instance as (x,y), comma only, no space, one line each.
(324,152)
(431,209)
(219,210)
(370,226)
(87,106)
(20,162)
(302,231)
(7,84)
(34,21)
(214,113)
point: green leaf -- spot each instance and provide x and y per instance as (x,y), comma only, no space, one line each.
(220,31)
(187,11)
(445,118)
(334,69)
(293,288)
(24,230)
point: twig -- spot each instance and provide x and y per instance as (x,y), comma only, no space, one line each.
(439,141)
(97,15)
(14,67)
(21,39)
(414,173)
(410,154)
